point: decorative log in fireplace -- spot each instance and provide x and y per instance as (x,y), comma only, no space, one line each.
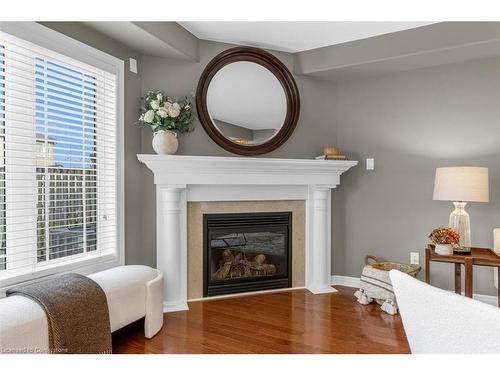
(232,267)
(246,252)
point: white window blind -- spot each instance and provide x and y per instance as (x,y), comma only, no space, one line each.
(58,161)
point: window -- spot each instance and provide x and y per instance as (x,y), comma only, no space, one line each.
(58,160)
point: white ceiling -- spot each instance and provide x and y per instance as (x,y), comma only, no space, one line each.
(248,95)
(293,36)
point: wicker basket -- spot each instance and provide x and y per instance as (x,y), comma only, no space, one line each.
(388,266)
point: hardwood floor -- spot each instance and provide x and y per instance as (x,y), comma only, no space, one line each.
(283,322)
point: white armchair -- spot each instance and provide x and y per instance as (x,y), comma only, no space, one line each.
(438,321)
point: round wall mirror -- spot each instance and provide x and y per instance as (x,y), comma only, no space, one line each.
(247,101)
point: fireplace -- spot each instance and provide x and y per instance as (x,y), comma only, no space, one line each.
(244,252)
(183,180)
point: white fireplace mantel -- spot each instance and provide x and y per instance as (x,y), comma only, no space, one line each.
(180,179)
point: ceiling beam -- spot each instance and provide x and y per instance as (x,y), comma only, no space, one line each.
(161,39)
(175,36)
(423,45)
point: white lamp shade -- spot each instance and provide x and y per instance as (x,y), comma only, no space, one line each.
(465,184)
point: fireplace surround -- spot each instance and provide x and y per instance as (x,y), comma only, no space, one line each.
(194,246)
(245,252)
(182,179)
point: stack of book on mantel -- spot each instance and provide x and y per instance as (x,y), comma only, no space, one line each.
(331,153)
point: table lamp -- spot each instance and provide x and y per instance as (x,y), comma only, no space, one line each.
(461,185)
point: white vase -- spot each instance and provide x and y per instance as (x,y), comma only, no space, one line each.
(165,142)
(445,249)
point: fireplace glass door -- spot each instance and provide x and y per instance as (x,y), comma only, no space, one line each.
(246,252)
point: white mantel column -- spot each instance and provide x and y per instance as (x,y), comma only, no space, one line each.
(171,250)
(319,253)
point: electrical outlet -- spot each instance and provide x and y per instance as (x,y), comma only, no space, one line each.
(370,164)
(414,258)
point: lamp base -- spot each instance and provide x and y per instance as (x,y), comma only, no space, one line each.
(460,221)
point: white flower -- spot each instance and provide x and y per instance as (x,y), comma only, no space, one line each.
(159,97)
(167,105)
(162,112)
(174,110)
(154,104)
(149,116)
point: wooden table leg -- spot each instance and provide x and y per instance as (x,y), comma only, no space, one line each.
(468,277)
(498,273)
(427,266)
(458,278)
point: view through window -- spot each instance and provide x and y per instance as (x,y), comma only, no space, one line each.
(65,161)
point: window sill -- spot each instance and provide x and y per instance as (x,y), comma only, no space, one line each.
(83,266)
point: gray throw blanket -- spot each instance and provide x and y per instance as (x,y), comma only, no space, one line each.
(77,313)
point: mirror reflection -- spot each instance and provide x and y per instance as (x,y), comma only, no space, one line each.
(246,102)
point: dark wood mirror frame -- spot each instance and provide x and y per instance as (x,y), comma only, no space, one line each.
(280,71)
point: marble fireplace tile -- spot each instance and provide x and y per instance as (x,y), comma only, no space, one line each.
(195,211)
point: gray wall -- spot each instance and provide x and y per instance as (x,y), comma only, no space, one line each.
(411,123)
(133,169)
(235,131)
(265,134)
(231,130)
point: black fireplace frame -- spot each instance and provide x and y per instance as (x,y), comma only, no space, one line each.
(236,222)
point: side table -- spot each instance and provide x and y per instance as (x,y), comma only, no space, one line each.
(478,256)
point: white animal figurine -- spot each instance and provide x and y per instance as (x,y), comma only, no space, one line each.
(362,297)
(390,307)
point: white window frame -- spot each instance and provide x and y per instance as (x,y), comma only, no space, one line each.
(60,43)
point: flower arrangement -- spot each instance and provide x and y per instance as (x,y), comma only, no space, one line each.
(161,112)
(444,236)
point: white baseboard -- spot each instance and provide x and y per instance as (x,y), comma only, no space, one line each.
(322,290)
(176,306)
(350,281)
(490,300)
(353,282)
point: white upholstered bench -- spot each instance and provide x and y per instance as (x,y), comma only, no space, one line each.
(132,292)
